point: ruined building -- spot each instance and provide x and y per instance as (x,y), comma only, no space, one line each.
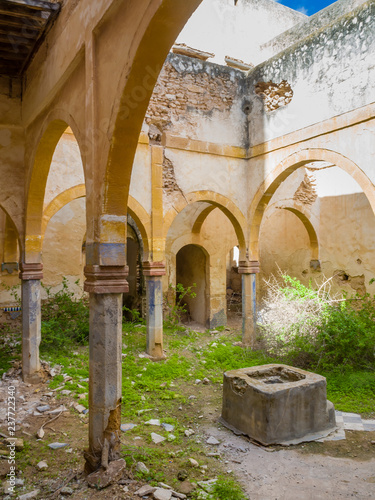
(132,163)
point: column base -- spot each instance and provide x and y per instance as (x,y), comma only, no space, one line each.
(34,378)
(158,357)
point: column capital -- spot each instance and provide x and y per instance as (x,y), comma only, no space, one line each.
(31,271)
(248,267)
(154,269)
(106,279)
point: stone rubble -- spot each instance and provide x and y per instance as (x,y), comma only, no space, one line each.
(66,490)
(193,462)
(168,427)
(213,441)
(127,427)
(42,465)
(29,496)
(141,467)
(162,494)
(42,409)
(154,422)
(156,438)
(57,446)
(145,490)
(104,477)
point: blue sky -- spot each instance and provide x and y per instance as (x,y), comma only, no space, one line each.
(308,7)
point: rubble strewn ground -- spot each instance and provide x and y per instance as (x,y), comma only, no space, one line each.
(194,450)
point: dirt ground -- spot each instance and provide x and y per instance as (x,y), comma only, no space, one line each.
(313,471)
(331,470)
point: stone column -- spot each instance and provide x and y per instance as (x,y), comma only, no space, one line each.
(106,285)
(248,269)
(153,272)
(31,274)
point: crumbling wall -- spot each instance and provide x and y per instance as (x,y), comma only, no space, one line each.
(330,71)
(346,250)
(185,84)
(274,95)
(237,28)
(198,99)
(306,191)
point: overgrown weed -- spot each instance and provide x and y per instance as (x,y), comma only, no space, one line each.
(307,326)
(65,320)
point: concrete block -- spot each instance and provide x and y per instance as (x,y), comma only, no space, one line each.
(277,404)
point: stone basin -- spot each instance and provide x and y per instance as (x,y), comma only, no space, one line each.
(277,404)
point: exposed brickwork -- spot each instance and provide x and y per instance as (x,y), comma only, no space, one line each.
(170,185)
(187,84)
(274,95)
(306,192)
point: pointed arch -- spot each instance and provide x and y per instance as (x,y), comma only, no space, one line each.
(283,170)
(55,125)
(313,236)
(165,19)
(216,200)
(60,201)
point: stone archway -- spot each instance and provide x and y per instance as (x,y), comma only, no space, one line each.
(192,268)
(283,170)
(51,134)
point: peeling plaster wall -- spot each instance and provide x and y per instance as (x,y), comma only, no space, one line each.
(194,100)
(66,168)
(12,150)
(62,246)
(196,172)
(238,30)
(330,72)
(199,100)
(350,246)
(347,247)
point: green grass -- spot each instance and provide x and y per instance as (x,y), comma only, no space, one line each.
(227,489)
(352,391)
(188,359)
(152,456)
(221,355)
(163,387)
(148,385)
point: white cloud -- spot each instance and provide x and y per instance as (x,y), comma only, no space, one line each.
(303,10)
